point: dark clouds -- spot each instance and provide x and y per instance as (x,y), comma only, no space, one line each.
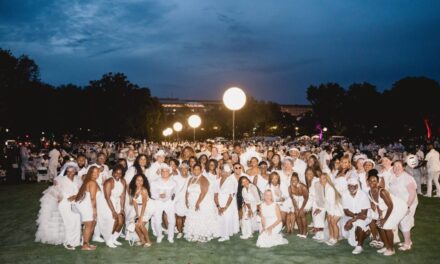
(197,48)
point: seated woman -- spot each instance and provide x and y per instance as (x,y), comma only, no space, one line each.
(271,223)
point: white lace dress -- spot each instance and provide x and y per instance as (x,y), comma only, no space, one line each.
(275,238)
(201,225)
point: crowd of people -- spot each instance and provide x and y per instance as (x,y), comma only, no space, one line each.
(200,191)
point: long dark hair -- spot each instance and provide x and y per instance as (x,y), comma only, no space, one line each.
(240,190)
(272,165)
(137,166)
(209,162)
(82,190)
(132,186)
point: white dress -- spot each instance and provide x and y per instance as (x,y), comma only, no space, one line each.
(71,220)
(398,187)
(106,221)
(228,221)
(398,213)
(50,223)
(201,225)
(182,184)
(85,207)
(250,197)
(265,240)
(279,192)
(261,183)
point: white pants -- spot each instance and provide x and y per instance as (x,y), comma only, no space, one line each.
(433,176)
(72,224)
(52,171)
(168,208)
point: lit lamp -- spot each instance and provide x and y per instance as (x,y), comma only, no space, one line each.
(177,127)
(167,132)
(234,99)
(194,121)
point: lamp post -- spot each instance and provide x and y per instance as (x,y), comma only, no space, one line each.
(194,121)
(177,127)
(234,99)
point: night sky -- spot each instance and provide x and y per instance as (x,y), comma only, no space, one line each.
(195,49)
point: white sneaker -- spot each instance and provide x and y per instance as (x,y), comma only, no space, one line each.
(179,235)
(331,242)
(357,250)
(98,239)
(382,250)
(171,240)
(110,244)
(389,253)
(159,239)
(117,243)
(244,237)
(222,239)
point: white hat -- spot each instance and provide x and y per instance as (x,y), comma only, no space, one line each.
(294,149)
(359,156)
(165,166)
(352,181)
(370,161)
(160,153)
(288,158)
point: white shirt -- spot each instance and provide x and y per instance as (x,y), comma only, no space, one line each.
(357,203)
(433,161)
(300,167)
(54,156)
(160,186)
(154,172)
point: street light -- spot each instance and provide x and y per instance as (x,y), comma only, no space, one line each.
(194,121)
(167,132)
(177,127)
(234,99)
(324,129)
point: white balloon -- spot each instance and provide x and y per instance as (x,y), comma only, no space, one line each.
(234,98)
(177,126)
(194,121)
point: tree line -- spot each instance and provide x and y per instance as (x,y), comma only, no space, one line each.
(115,108)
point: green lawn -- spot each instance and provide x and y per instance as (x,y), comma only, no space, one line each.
(20,204)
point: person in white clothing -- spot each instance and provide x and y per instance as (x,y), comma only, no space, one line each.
(299,166)
(154,172)
(163,190)
(54,158)
(433,167)
(262,179)
(111,207)
(333,207)
(299,196)
(386,172)
(271,223)
(403,186)
(355,220)
(71,220)
(225,200)
(250,197)
(180,208)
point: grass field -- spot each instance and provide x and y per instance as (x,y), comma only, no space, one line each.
(20,205)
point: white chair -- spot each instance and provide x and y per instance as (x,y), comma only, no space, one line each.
(42,174)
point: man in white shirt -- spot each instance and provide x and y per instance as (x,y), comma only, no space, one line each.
(356,222)
(163,190)
(154,171)
(433,168)
(299,166)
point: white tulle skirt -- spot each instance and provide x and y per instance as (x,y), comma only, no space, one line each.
(202,225)
(50,223)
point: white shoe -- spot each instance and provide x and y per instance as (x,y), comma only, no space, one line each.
(159,239)
(357,250)
(110,244)
(223,239)
(244,237)
(389,253)
(117,243)
(331,242)
(382,250)
(98,239)
(427,195)
(179,235)
(171,240)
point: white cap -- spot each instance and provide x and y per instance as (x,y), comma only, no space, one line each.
(160,153)
(352,181)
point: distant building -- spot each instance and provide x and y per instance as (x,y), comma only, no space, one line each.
(174,105)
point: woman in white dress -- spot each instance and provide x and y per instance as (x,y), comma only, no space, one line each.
(201,224)
(281,194)
(86,205)
(71,220)
(299,196)
(387,209)
(211,170)
(111,207)
(225,199)
(250,198)
(144,207)
(403,186)
(271,223)
(333,208)
(182,182)
(262,179)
